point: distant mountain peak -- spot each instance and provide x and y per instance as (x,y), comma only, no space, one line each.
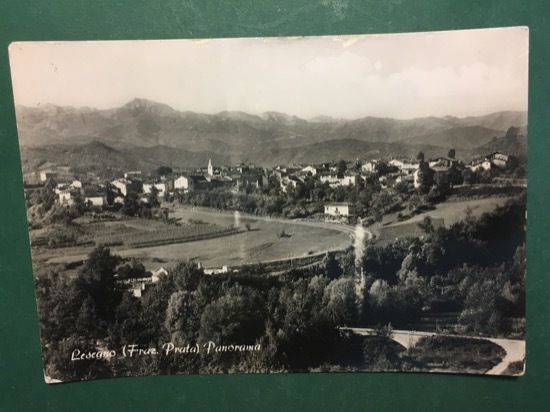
(145,105)
(281,118)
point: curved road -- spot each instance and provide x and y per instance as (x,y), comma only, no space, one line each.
(515,349)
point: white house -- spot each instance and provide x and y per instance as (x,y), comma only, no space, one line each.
(338,209)
(484,165)
(329,178)
(121,185)
(65,198)
(349,180)
(404,164)
(417,181)
(94,200)
(223,269)
(136,174)
(155,276)
(47,174)
(310,169)
(443,161)
(163,186)
(499,159)
(370,166)
(184,183)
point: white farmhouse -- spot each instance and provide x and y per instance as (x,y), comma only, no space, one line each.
(370,166)
(65,197)
(47,174)
(184,183)
(349,180)
(310,169)
(121,185)
(95,200)
(338,209)
(404,165)
(484,165)
(163,186)
(76,184)
(136,174)
(331,178)
(155,275)
(498,159)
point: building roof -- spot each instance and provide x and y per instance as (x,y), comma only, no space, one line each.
(337,204)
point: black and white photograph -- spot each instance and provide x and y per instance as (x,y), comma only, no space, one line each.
(273,205)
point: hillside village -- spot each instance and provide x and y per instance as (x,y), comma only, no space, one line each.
(387,173)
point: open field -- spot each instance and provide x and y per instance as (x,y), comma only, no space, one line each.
(452,212)
(218,238)
(446,214)
(262,243)
(230,242)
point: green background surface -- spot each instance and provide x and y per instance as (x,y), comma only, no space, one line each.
(21,381)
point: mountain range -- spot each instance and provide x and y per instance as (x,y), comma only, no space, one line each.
(143,133)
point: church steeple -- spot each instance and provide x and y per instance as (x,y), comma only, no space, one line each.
(210,168)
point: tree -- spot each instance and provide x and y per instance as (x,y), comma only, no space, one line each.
(127,326)
(451,154)
(486,177)
(471,177)
(234,318)
(183,317)
(330,266)
(131,204)
(378,292)
(301,191)
(78,205)
(187,276)
(341,167)
(340,305)
(414,202)
(481,314)
(455,176)
(425,177)
(152,197)
(134,271)
(383,168)
(438,193)
(420,156)
(377,214)
(97,279)
(164,170)
(427,225)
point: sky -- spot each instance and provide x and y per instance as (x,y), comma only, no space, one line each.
(457,73)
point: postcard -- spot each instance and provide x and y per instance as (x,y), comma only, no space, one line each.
(268,205)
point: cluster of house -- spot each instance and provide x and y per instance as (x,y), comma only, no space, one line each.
(139,286)
(68,188)
(95,193)
(492,161)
